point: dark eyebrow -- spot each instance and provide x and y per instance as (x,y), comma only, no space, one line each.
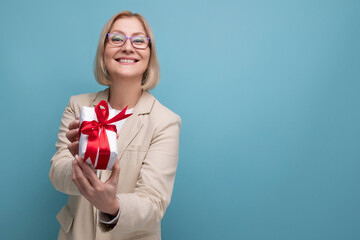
(134,34)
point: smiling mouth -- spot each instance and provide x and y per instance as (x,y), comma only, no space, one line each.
(121,60)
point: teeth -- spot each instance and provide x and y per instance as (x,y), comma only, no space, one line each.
(126,61)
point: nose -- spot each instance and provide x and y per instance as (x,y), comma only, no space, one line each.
(127,47)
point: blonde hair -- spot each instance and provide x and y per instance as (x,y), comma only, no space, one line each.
(152,73)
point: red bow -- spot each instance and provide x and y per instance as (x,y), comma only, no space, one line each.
(98,139)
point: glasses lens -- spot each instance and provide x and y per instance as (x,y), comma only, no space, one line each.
(140,42)
(117,39)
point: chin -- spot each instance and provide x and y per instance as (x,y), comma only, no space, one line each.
(128,75)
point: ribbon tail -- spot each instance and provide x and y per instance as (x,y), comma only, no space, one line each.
(121,115)
(104,150)
(91,149)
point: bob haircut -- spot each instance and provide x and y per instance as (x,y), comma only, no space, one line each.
(152,73)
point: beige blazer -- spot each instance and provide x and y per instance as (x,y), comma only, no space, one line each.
(148,146)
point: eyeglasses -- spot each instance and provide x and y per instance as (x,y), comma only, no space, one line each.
(138,42)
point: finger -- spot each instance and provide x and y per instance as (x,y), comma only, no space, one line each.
(74,124)
(81,179)
(73,135)
(74,148)
(114,177)
(89,173)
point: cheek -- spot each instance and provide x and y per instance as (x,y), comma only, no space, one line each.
(108,54)
(110,64)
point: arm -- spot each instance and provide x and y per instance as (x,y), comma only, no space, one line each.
(145,207)
(60,173)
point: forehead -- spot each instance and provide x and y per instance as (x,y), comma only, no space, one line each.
(128,26)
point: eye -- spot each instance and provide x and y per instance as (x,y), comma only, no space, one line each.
(139,40)
(117,38)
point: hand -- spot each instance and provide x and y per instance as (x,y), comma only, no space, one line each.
(101,195)
(73,136)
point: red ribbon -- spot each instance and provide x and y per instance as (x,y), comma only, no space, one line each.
(98,139)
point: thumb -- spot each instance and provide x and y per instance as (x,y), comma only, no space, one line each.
(114,177)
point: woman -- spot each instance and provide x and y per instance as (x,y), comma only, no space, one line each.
(129,201)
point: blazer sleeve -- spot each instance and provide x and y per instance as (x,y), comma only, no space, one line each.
(60,173)
(145,207)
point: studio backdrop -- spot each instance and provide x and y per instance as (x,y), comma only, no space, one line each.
(268,93)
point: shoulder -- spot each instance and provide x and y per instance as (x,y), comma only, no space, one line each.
(87,99)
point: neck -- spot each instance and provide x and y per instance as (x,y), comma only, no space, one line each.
(124,93)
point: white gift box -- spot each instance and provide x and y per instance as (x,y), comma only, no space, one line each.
(88,114)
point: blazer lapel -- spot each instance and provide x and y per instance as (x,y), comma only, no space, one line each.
(133,123)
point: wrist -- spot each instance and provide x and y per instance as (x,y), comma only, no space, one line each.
(114,212)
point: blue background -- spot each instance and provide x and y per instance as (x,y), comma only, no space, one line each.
(268,92)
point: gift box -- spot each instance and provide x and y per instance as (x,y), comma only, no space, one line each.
(98,130)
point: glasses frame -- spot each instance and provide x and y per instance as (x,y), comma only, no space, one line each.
(126,38)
